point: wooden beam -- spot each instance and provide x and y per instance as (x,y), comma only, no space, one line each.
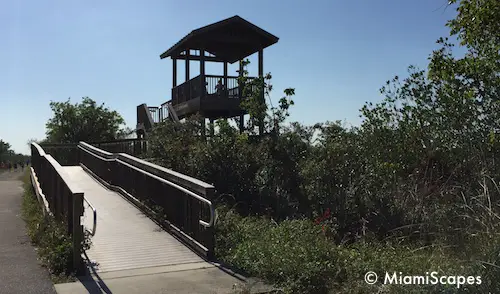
(198,58)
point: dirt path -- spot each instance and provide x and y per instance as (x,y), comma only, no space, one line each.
(20,271)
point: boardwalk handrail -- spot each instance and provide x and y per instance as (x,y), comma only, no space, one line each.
(94,212)
(66,153)
(63,197)
(181,198)
(208,224)
(42,199)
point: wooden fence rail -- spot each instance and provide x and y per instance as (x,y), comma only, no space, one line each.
(63,197)
(67,153)
(185,202)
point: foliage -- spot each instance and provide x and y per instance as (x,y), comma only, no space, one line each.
(420,172)
(265,249)
(255,90)
(85,121)
(298,257)
(49,236)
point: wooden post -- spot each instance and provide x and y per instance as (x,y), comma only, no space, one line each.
(174,72)
(187,64)
(225,80)
(187,92)
(175,93)
(261,63)
(212,129)
(242,123)
(203,127)
(202,73)
(240,89)
(240,74)
(261,75)
(77,234)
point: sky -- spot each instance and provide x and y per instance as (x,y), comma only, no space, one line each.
(336,54)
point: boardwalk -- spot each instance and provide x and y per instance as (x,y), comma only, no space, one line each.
(130,253)
(126,238)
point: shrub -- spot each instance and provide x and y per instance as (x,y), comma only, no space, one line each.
(293,254)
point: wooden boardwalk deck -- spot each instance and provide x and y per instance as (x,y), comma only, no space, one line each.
(125,237)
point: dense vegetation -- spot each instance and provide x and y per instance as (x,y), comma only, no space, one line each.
(414,189)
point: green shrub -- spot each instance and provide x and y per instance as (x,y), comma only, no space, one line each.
(294,254)
(299,257)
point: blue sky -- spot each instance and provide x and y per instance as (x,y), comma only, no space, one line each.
(336,54)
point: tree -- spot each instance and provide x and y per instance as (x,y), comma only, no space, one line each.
(83,121)
(7,154)
(4,148)
(255,91)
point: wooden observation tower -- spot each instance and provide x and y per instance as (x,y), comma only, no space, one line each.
(211,96)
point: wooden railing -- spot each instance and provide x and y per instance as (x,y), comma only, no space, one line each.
(229,90)
(135,147)
(156,114)
(59,196)
(187,91)
(144,118)
(67,154)
(185,203)
(193,88)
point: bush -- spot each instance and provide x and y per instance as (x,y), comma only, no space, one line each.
(299,257)
(293,254)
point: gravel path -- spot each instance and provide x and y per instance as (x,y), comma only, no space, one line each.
(20,271)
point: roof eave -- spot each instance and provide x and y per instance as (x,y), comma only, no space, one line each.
(273,39)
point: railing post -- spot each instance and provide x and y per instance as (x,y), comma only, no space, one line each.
(77,235)
(226,86)
(203,81)
(135,148)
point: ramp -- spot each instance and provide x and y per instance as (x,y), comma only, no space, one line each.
(125,237)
